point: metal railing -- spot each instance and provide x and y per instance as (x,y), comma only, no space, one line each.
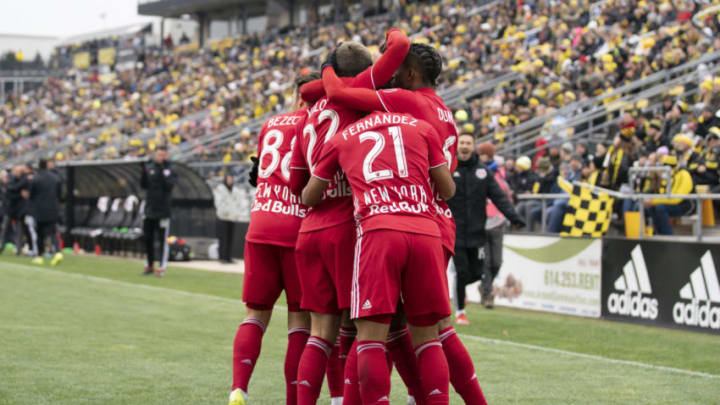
(696,198)
(528,132)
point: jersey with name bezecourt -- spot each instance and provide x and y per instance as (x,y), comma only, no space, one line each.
(387,158)
(276,212)
(321,124)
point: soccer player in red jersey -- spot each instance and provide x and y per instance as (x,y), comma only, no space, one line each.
(388,159)
(324,250)
(416,79)
(270,254)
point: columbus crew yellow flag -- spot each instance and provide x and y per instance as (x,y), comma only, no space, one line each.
(588,212)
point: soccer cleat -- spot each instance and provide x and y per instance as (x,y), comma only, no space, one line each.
(160,272)
(462,320)
(38,260)
(148,270)
(57,258)
(237,397)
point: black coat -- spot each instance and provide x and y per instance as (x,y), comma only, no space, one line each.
(474,185)
(3,201)
(17,205)
(159,181)
(45,197)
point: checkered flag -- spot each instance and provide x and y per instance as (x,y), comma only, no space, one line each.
(588,212)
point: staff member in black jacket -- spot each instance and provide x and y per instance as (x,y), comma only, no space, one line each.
(158,179)
(474,185)
(18,191)
(45,210)
(4,215)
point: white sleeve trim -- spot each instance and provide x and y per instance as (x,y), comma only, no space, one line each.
(381,101)
(320,178)
(441,164)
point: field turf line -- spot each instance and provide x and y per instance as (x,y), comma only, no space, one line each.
(19,267)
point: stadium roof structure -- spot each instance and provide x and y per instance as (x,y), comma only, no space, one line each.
(121,31)
(178,8)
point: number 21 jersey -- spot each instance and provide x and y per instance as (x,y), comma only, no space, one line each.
(387,158)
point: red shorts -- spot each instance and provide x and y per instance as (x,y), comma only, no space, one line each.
(325,266)
(270,269)
(392,264)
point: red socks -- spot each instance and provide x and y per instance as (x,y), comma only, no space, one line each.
(400,350)
(346,337)
(296,344)
(336,371)
(434,372)
(462,371)
(246,350)
(351,392)
(373,373)
(312,370)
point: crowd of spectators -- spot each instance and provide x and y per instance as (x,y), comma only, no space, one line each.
(566,51)
(563,52)
(671,147)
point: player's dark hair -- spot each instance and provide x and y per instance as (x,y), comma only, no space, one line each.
(301,80)
(470,134)
(352,58)
(42,164)
(426,60)
(161,147)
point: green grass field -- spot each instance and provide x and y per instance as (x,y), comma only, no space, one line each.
(93,331)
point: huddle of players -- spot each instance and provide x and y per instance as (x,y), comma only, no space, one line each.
(374,166)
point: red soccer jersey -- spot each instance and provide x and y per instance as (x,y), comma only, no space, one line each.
(276,212)
(423,104)
(322,123)
(387,159)
(426,105)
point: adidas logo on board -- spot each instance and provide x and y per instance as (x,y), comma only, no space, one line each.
(702,291)
(634,301)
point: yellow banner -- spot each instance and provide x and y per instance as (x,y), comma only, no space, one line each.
(81,60)
(106,56)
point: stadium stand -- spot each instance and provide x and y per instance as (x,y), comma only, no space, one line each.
(528,76)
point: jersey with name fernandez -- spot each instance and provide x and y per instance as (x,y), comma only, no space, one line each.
(387,158)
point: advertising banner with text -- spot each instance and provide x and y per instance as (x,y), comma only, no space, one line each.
(548,273)
(661,283)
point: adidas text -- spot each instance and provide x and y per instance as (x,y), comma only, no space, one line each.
(633,305)
(696,314)
(635,280)
(702,290)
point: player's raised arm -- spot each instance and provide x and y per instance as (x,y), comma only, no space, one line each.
(349,97)
(397,45)
(312,91)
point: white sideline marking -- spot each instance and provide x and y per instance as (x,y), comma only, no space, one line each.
(590,356)
(284,308)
